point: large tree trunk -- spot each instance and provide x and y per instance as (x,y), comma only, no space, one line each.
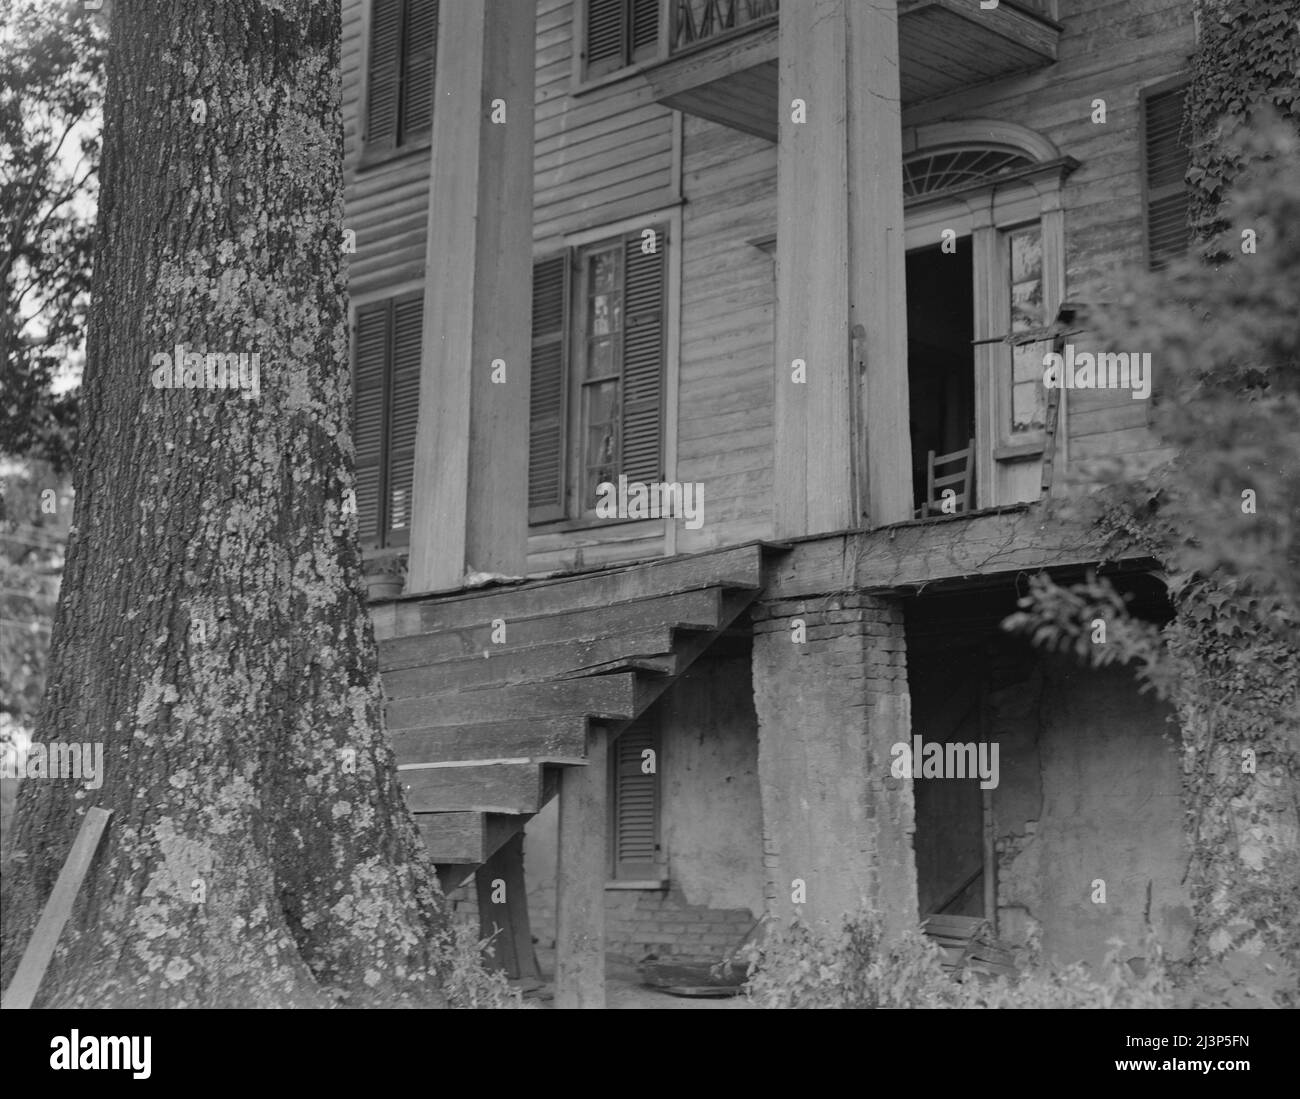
(212,631)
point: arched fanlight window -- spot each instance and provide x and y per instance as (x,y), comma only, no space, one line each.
(932,172)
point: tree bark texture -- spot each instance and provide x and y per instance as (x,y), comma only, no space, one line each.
(212,631)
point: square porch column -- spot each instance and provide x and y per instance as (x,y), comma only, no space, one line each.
(830,692)
(842,437)
(471,461)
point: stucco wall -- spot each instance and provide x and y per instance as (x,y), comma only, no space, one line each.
(1089,791)
(710,820)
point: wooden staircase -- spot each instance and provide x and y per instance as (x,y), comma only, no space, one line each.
(490,692)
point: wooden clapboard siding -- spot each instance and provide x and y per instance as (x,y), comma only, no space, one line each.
(607,153)
(1109,49)
(386,204)
(602,155)
(598,154)
(724,426)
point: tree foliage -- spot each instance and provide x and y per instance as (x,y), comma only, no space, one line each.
(51,91)
(1222,516)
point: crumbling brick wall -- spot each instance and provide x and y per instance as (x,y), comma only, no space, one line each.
(830,691)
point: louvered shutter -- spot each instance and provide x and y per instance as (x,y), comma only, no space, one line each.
(636,805)
(547,399)
(606,45)
(385,73)
(403,410)
(643,358)
(1166,157)
(645,28)
(369,369)
(419,57)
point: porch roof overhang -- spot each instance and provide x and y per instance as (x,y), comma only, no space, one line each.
(944,46)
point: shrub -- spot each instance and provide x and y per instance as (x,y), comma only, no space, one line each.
(465,981)
(796,966)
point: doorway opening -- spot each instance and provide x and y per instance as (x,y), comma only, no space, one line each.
(941,365)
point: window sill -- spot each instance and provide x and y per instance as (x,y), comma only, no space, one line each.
(376,158)
(1018,452)
(573,526)
(644,886)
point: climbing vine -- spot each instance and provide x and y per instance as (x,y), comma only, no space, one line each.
(1223,516)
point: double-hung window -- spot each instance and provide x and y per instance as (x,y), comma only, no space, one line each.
(598,365)
(403,56)
(618,33)
(385,406)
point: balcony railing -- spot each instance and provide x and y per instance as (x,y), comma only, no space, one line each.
(698,21)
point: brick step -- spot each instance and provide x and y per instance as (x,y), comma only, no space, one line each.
(700,609)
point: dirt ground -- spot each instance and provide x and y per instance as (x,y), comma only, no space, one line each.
(623,991)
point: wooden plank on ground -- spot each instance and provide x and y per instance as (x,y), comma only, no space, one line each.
(477,787)
(503,911)
(40,947)
(608,696)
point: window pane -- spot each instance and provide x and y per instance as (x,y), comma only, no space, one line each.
(606,314)
(1027,401)
(1028,398)
(1026,279)
(600,358)
(602,276)
(600,437)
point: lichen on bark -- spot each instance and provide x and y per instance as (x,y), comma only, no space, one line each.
(228,875)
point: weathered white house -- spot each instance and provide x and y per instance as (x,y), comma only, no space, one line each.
(807,262)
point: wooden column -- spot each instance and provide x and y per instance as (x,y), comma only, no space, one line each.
(471,467)
(842,436)
(580,880)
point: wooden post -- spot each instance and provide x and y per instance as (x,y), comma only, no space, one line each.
(580,880)
(512,947)
(40,947)
(842,435)
(471,472)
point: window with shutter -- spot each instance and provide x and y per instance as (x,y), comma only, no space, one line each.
(634,801)
(1166,155)
(403,56)
(619,33)
(641,445)
(597,407)
(385,405)
(546,413)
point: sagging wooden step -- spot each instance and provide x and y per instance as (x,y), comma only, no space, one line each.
(466,839)
(506,786)
(700,609)
(737,568)
(560,740)
(640,650)
(611,697)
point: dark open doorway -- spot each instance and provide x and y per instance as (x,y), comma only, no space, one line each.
(940,354)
